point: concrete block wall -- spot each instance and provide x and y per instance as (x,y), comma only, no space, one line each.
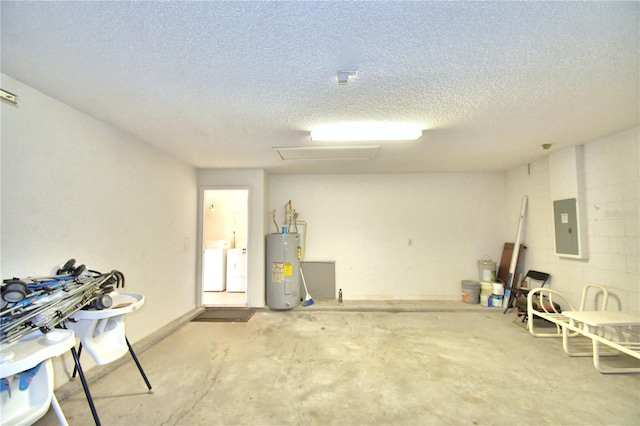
(531,180)
(612,192)
(612,168)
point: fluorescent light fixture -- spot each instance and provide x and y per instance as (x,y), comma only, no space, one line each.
(327,152)
(366,132)
(9,97)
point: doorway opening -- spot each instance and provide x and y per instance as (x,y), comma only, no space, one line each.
(224,241)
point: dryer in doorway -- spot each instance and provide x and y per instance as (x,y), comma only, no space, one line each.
(237,270)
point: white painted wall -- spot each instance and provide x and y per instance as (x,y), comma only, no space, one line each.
(365,222)
(256,181)
(228,219)
(75,187)
(612,192)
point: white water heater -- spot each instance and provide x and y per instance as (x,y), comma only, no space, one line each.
(283,271)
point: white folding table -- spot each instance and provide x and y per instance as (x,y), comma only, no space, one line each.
(591,323)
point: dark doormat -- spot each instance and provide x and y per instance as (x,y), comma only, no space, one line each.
(224,315)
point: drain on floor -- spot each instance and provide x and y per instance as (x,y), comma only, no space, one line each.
(224,315)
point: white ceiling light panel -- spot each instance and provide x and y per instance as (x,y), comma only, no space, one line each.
(356,132)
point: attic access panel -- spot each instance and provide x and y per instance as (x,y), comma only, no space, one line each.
(327,152)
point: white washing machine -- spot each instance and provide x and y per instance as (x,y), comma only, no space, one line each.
(214,265)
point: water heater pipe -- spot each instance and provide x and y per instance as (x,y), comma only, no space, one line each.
(304,237)
(288,213)
(273,213)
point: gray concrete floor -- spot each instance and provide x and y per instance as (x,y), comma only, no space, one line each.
(371,363)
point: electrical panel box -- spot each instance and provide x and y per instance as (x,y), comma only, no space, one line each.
(566,178)
(566,227)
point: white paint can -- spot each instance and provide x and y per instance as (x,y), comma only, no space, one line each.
(498,289)
(496,301)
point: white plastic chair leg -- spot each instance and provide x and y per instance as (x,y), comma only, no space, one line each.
(604,370)
(570,352)
(59,414)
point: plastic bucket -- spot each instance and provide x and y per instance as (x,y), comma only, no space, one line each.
(498,289)
(486,269)
(496,301)
(471,292)
(486,288)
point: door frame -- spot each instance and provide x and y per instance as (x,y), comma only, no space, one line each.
(200,242)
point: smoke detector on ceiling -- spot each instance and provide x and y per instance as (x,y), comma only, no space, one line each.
(344,76)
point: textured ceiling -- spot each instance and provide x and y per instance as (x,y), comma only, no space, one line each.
(218,84)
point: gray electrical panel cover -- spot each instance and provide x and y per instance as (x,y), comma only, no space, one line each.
(566,227)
